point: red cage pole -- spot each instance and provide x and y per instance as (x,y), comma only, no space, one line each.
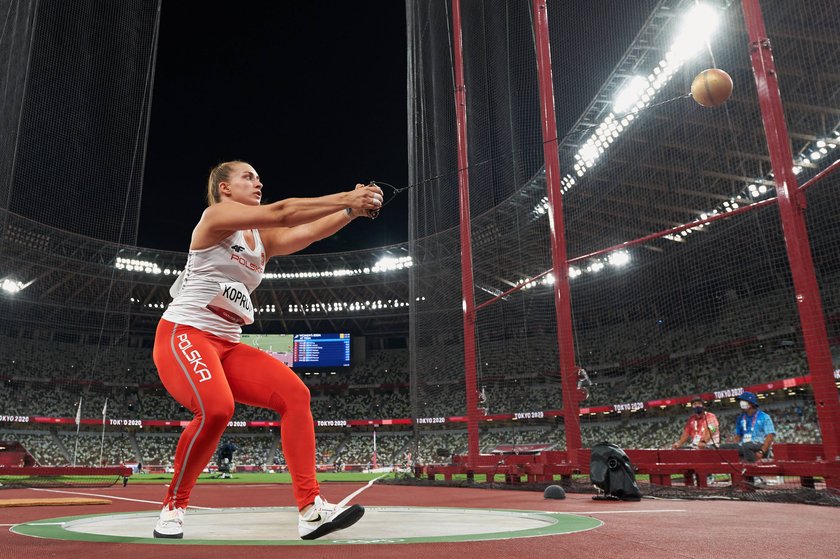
(468,296)
(562,301)
(791,202)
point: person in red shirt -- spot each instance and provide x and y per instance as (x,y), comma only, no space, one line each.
(701,429)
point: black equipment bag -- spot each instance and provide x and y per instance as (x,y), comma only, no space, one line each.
(611,471)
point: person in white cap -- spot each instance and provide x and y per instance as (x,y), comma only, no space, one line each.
(754,430)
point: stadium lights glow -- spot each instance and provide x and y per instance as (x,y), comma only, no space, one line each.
(595,267)
(698,25)
(134,265)
(11,286)
(345,306)
(547,279)
(817,151)
(757,190)
(764,187)
(388,263)
(629,94)
(696,29)
(333,307)
(383,265)
(617,259)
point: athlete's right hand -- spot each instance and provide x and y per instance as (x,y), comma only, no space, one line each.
(366,200)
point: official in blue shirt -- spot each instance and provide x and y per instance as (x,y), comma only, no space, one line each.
(754,431)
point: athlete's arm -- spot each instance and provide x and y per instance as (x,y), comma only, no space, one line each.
(220,220)
(280,241)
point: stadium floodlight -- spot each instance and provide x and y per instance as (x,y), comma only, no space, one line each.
(629,94)
(589,152)
(11,286)
(595,267)
(619,259)
(340,306)
(384,264)
(698,25)
(135,265)
(389,263)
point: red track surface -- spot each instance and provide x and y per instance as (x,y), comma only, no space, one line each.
(710,529)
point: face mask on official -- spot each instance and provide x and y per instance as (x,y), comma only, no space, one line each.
(744,405)
(698,410)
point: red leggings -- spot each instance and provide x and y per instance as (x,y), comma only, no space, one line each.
(207,374)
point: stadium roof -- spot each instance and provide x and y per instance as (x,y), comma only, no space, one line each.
(623,178)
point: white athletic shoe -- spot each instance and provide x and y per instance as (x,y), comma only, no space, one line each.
(170,524)
(324,518)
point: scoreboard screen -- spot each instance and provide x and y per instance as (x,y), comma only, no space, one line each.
(321,350)
(278,346)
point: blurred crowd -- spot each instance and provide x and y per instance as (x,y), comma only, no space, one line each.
(630,362)
(795,421)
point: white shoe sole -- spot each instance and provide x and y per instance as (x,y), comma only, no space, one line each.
(169,536)
(344,520)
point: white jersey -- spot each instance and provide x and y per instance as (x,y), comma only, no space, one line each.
(213,292)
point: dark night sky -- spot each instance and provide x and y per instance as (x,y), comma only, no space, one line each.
(314,96)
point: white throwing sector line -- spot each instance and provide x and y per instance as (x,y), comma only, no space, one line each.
(359,490)
(110,497)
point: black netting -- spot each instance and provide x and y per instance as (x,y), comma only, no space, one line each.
(662,308)
(77,158)
(76,95)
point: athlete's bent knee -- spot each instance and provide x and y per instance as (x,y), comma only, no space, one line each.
(220,414)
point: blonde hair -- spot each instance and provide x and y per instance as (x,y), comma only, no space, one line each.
(219,174)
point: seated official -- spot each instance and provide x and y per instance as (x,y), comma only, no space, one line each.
(754,431)
(701,429)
